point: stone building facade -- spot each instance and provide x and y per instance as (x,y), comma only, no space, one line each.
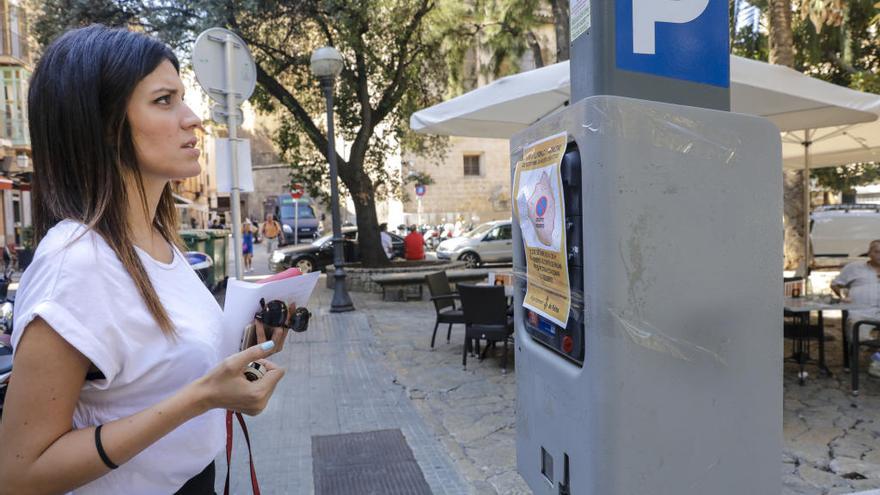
(472,181)
(472,184)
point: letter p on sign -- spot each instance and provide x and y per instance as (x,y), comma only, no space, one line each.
(679,39)
(647,13)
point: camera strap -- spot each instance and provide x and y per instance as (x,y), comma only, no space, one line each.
(254,485)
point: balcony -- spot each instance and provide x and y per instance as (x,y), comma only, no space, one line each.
(14,49)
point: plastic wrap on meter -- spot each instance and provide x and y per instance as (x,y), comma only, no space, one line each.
(673,232)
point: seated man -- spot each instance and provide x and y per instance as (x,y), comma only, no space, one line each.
(414,244)
(862,281)
(385,237)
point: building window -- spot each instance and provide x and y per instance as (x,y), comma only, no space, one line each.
(471,165)
(13,105)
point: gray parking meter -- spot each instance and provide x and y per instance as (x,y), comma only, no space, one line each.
(647,243)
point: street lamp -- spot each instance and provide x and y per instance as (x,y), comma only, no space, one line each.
(326,64)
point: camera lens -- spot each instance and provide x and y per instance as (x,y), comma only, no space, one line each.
(275,314)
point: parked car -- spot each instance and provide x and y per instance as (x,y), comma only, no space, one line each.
(319,253)
(488,243)
(844,231)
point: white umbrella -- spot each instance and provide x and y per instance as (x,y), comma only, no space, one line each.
(791,100)
(822,124)
(833,146)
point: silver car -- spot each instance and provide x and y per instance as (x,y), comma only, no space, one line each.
(489,243)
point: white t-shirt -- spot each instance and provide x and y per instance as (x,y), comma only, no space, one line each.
(864,288)
(81,289)
(387,245)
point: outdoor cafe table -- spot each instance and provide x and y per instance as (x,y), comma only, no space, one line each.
(508,289)
(803,306)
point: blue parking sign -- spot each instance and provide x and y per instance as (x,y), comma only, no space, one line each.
(679,39)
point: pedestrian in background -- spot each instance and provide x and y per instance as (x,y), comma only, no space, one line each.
(247,245)
(414,244)
(271,229)
(385,237)
(122,365)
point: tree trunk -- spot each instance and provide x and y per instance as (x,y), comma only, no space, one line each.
(793,217)
(782,53)
(369,241)
(781,35)
(561,26)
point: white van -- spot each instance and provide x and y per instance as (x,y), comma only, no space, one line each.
(844,231)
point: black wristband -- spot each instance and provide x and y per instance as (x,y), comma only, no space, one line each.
(100,448)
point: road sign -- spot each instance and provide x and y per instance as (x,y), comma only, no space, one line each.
(297,191)
(226,71)
(208,58)
(420,190)
(680,39)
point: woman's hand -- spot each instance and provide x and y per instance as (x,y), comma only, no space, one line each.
(226,386)
(279,336)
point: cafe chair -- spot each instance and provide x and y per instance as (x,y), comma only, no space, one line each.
(485,318)
(798,328)
(444,303)
(855,345)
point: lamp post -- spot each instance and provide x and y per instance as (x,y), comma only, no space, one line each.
(326,64)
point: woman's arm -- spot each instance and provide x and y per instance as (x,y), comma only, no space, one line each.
(42,453)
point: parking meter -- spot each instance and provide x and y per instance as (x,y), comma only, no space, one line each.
(647,248)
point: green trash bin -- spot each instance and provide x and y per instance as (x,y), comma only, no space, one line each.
(217,249)
(195,240)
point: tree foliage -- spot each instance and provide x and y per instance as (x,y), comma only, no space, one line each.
(505,29)
(393,66)
(845,179)
(834,40)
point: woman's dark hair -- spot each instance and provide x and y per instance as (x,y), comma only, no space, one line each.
(83,152)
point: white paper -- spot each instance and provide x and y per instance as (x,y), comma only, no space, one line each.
(581,18)
(243,301)
(224,168)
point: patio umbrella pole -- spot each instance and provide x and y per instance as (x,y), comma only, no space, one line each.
(808,136)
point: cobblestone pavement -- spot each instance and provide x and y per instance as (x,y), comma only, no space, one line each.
(831,439)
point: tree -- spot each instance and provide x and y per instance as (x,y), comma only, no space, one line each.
(391,69)
(782,53)
(845,179)
(835,40)
(505,29)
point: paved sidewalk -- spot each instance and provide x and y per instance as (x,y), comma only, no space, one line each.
(336,382)
(374,369)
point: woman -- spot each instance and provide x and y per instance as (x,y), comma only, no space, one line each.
(120,380)
(247,245)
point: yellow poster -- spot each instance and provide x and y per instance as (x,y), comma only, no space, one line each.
(540,210)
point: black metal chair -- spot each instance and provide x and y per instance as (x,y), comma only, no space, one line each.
(444,303)
(486,318)
(854,350)
(798,328)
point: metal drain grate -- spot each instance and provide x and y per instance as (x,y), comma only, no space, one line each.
(369,463)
